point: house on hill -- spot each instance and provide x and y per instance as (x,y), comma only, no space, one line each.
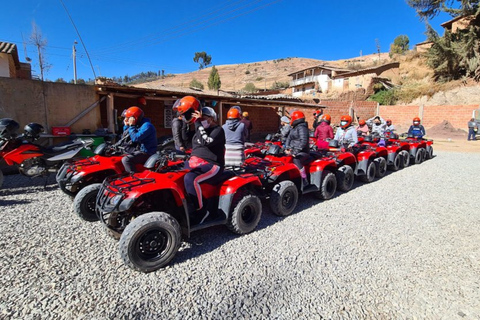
(10,65)
(324,79)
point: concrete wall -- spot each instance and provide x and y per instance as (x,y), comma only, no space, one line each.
(27,101)
(4,65)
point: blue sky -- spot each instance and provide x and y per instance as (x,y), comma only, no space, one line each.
(128,37)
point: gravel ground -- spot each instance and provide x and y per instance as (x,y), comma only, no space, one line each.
(403,247)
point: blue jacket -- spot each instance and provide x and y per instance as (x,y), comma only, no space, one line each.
(417,131)
(144,134)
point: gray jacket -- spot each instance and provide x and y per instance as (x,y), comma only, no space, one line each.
(380,129)
(234,132)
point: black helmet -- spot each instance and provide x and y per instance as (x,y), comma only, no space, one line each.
(273,149)
(333,144)
(8,128)
(33,130)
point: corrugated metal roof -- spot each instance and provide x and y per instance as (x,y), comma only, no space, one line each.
(321,66)
(6,47)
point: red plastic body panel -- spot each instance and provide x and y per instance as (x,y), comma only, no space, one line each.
(22,153)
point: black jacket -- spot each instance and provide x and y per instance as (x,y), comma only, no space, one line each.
(209,144)
(298,138)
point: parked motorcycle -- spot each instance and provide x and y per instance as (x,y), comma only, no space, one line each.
(34,160)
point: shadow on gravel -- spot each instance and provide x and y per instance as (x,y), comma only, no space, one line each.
(13,202)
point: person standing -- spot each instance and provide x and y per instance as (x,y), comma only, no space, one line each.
(284,128)
(234,138)
(248,125)
(472,125)
(142,135)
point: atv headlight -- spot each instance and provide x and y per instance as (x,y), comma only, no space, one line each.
(126,204)
(76,177)
(116,199)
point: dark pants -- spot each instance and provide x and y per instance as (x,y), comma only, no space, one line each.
(131,160)
(471,134)
(301,159)
(193,179)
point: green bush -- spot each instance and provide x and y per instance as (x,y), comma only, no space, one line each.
(250,87)
(196,84)
(384,97)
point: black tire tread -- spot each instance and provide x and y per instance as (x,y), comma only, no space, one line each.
(276,197)
(233,223)
(78,202)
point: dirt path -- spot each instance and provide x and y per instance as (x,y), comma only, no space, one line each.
(456,145)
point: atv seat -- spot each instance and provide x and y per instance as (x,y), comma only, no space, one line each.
(219,179)
(63,147)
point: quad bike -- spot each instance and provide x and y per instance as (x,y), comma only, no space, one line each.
(149,212)
(377,144)
(34,160)
(365,159)
(258,149)
(420,149)
(282,181)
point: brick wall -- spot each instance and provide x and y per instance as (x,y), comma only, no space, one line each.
(402,116)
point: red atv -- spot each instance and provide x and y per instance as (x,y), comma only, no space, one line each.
(149,210)
(258,149)
(420,149)
(282,181)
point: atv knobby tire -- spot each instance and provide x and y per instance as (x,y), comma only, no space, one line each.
(345,178)
(369,176)
(419,156)
(328,186)
(245,214)
(381,167)
(397,162)
(284,198)
(428,156)
(150,241)
(84,202)
(406,158)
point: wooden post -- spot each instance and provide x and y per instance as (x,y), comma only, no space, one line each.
(110,113)
(220,113)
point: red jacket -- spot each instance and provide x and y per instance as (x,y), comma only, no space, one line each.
(322,132)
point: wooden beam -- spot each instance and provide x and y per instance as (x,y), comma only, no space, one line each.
(110,113)
(84,112)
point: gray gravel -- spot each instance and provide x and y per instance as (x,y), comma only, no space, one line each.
(403,247)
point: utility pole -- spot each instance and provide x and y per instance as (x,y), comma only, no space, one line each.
(74,62)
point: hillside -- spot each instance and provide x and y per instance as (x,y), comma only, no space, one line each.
(413,78)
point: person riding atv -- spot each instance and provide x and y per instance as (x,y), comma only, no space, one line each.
(297,143)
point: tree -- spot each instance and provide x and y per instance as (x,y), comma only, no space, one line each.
(455,55)
(250,87)
(428,9)
(60,80)
(214,82)
(203,59)
(196,84)
(400,45)
(37,39)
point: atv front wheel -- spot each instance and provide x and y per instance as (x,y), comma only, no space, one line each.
(284,198)
(381,167)
(328,187)
(150,241)
(246,213)
(84,202)
(345,178)
(428,156)
(369,176)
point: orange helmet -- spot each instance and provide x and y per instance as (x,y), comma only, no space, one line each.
(389,122)
(135,112)
(296,115)
(186,107)
(326,118)
(233,113)
(345,121)
(416,119)
(361,122)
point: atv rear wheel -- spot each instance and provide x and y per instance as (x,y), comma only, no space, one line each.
(284,198)
(246,213)
(397,162)
(150,241)
(345,178)
(84,202)
(428,156)
(381,167)
(328,187)
(369,176)
(419,155)
(406,158)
